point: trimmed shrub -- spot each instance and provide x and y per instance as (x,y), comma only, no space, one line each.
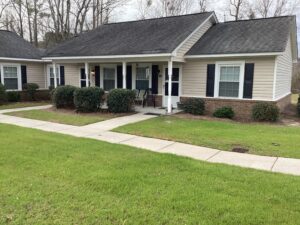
(63,96)
(51,88)
(265,111)
(2,94)
(195,106)
(31,89)
(13,96)
(120,100)
(88,99)
(224,112)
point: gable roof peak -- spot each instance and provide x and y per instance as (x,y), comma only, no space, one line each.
(158,18)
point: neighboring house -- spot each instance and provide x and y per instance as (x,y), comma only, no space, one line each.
(228,64)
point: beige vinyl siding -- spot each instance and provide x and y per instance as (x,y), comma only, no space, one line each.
(284,72)
(36,73)
(72,74)
(195,72)
(193,39)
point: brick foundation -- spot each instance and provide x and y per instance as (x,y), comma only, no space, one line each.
(242,108)
(284,102)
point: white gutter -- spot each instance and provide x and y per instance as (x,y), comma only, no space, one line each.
(21,59)
(232,55)
(108,56)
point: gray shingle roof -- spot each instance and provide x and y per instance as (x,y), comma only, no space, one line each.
(13,46)
(150,36)
(248,36)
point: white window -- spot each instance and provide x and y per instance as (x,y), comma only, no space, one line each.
(11,77)
(229,80)
(51,76)
(109,78)
(143,78)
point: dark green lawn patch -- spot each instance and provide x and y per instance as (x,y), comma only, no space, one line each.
(47,178)
(262,139)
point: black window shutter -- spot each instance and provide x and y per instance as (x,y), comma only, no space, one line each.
(129,77)
(24,74)
(62,75)
(97,76)
(155,73)
(119,77)
(210,83)
(248,80)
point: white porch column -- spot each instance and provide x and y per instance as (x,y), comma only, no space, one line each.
(54,74)
(124,69)
(170,74)
(86,70)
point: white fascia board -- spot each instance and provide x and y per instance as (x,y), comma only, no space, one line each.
(232,55)
(21,59)
(108,57)
(174,53)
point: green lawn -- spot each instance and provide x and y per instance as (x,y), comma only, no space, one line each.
(60,116)
(22,105)
(262,139)
(48,178)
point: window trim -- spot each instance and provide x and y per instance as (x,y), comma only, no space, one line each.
(48,74)
(110,66)
(19,78)
(143,65)
(241,64)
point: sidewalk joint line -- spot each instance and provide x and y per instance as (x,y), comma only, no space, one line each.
(274,163)
(122,142)
(174,142)
(219,151)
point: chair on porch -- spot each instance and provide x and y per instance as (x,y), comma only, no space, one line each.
(139,94)
(148,97)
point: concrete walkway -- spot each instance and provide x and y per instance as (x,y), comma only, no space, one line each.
(101,131)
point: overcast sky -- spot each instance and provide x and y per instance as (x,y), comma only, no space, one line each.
(130,12)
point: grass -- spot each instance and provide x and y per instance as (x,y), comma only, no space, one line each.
(22,105)
(261,139)
(63,116)
(48,178)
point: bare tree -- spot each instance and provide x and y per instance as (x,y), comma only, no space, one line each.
(144,7)
(202,5)
(267,8)
(163,8)
(263,7)
(18,8)
(3,6)
(236,7)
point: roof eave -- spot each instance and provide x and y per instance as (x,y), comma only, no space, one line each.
(232,55)
(108,57)
(21,59)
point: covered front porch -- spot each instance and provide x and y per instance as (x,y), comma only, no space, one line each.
(160,78)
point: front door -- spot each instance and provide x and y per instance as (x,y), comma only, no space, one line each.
(175,87)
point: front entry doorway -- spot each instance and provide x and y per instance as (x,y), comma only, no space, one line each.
(175,87)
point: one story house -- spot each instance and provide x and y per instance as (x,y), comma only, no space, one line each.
(233,64)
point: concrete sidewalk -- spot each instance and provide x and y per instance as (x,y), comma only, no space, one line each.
(101,131)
